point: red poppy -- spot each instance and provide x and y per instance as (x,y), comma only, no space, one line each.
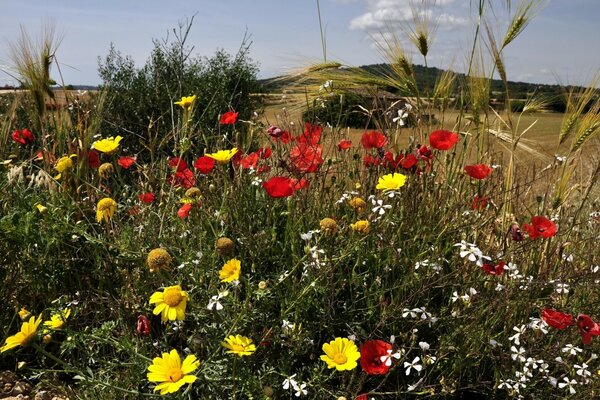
(23,137)
(184,211)
(371,354)
(370,160)
(143,325)
(184,178)
(306,157)
(178,163)
(443,140)
(249,161)
(491,269)
(587,327)
(557,319)
(298,184)
(479,202)
(93,159)
(478,171)
(425,153)
(373,140)
(229,118)
(540,226)
(344,144)
(126,161)
(264,152)
(312,134)
(280,186)
(204,164)
(409,161)
(146,197)
(362,396)
(516,233)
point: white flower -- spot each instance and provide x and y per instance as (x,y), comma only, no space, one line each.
(518,353)
(567,257)
(570,349)
(471,252)
(517,336)
(424,346)
(506,384)
(415,385)
(538,324)
(289,382)
(413,365)
(582,370)
(380,208)
(300,390)
(561,288)
(387,359)
(568,383)
(214,302)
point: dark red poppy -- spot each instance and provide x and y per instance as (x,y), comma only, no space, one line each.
(443,140)
(479,202)
(371,354)
(204,164)
(373,140)
(491,269)
(184,178)
(143,325)
(184,210)
(264,152)
(557,319)
(126,161)
(370,160)
(478,171)
(409,161)
(312,134)
(274,132)
(306,157)
(23,137)
(424,153)
(344,144)
(249,161)
(587,327)
(280,186)
(515,233)
(93,159)
(298,184)
(146,197)
(540,226)
(229,118)
(178,163)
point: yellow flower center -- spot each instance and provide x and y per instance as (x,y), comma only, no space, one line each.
(340,358)
(175,374)
(173,297)
(237,347)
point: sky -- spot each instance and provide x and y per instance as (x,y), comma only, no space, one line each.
(560,45)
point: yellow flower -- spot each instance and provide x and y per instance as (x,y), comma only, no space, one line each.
(391,182)
(41,208)
(170,303)
(223,156)
(361,226)
(328,225)
(57,321)
(239,345)
(24,314)
(186,102)
(170,373)
(358,204)
(106,170)
(63,165)
(231,271)
(224,245)
(28,330)
(158,259)
(340,354)
(108,146)
(106,209)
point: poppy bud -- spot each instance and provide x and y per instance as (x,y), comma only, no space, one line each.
(516,233)
(143,325)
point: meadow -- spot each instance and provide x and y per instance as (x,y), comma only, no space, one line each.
(189,246)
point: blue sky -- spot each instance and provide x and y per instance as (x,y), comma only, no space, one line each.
(560,43)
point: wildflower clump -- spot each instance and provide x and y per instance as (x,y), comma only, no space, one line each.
(158,259)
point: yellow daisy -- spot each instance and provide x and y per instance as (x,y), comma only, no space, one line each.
(28,330)
(223,156)
(106,209)
(361,226)
(170,373)
(239,345)
(186,102)
(391,182)
(57,321)
(231,271)
(108,146)
(63,165)
(170,303)
(24,314)
(341,354)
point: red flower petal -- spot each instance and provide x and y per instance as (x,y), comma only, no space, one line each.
(478,171)
(557,319)
(373,140)
(204,164)
(184,211)
(370,357)
(178,163)
(443,140)
(279,186)
(344,144)
(229,118)
(146,197)
(126,161)
(540,226)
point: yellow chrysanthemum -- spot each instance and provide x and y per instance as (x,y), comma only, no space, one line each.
(28,330)
(328,225)
(170,373)
(63,165)
(186,102)
(41,208)
(231,271)
(340,354)
(391,182)
(106,170)
(158,259)
(223,156)
(57,321)
(358,204)
(24,314)
(361,226)
(107,146)
(170,303)
(106,209)
(239,345)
